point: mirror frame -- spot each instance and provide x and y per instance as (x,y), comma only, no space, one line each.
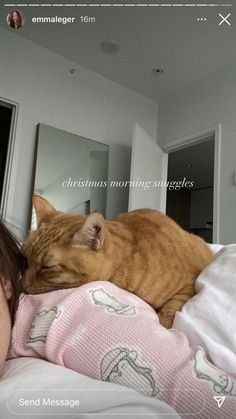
(33,177)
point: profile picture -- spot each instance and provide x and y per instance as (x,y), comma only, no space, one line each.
(15,19)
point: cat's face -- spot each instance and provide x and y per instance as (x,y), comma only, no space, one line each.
(65,251)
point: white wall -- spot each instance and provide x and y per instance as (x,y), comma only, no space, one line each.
(84,103)
(207,103)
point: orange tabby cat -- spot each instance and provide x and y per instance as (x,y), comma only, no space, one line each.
(143,251)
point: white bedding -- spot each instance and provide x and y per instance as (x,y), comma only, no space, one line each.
(209,318)
(35,379)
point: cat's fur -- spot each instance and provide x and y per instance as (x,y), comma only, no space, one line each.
(143,251)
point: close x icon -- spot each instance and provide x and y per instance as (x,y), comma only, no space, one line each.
(224,19)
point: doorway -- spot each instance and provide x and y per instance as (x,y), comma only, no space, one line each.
(149,164)
(194,206)
(6,122)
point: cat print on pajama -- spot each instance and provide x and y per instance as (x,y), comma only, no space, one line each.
(109,334)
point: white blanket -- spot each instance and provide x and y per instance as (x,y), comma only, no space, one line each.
(209,318)
(35,379)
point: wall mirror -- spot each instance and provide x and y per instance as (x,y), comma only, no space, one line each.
(71,172)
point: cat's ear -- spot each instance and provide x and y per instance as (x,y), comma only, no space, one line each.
(43,209)
(92,232)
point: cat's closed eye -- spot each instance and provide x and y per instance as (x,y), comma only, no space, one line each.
(50,267)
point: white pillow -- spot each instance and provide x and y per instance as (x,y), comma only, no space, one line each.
(209,318)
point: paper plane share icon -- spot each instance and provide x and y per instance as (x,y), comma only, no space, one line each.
(219,400)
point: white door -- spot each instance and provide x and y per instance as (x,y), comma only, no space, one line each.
(148,167)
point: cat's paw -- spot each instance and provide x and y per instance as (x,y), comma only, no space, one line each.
(166,319)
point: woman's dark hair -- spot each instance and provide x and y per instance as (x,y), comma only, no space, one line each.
(12,266)
(19,19)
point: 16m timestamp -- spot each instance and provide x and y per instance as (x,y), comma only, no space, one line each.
(87,19)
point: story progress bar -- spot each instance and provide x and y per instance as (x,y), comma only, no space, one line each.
(118,5)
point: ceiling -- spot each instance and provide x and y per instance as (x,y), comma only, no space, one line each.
(166,37)
(195,163)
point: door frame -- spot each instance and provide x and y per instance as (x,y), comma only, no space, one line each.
(9,161)
(197,138)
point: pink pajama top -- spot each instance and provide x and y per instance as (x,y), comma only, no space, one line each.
(109,334)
